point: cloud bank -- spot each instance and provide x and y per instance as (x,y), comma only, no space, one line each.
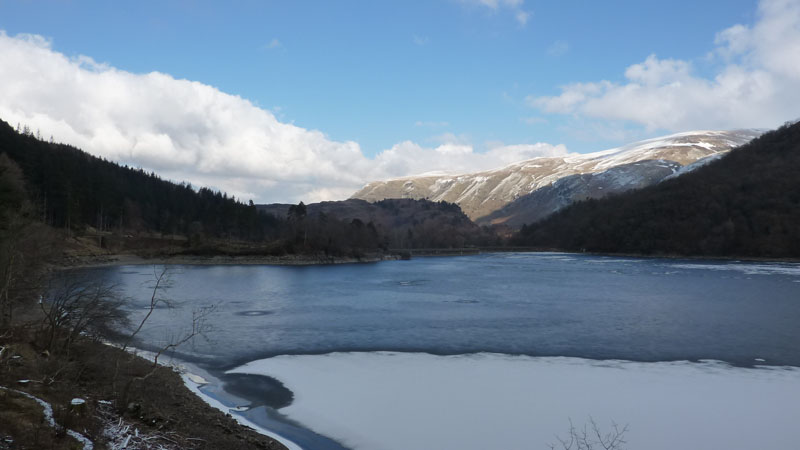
(189,131)
(756,83)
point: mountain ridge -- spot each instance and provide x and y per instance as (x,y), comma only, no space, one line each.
(480,194)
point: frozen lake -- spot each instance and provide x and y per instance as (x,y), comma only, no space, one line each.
(505,347)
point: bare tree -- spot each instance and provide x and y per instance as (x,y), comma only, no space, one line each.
(590,437)
(199,328)
(78,306)
(161,279)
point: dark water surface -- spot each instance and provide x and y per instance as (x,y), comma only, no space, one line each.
(538,304)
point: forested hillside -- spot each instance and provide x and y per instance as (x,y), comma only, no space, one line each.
(400,223)
(67,188)
(745,204)
(72,189)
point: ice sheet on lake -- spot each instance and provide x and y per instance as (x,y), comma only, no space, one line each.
(388,400)
(747,268)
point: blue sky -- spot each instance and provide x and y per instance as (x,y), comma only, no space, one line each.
(356,70)
(481,73)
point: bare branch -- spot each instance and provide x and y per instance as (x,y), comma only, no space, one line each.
(77,306)
(200,327)
(595,439)
(154,302)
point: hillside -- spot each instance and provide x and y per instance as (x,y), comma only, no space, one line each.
(129,210)
(573,188)
(72,189)
(482,195)
(746,203)
(105,207)
(400,223)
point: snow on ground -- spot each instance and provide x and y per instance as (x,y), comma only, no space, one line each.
(47,411)
(388,400)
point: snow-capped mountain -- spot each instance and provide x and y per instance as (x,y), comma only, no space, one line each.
(561,180)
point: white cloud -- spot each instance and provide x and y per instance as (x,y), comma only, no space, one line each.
(572,96)
(515,6)
(757,84)
(430,123)
(189,131)
(534,120)
(274,43)
(420,40)
(558,48)
(456,157)
(522,17)
(658,72)
(451,138)
(494,4)
(519,152)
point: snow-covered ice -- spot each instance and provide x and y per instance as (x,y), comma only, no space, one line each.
(390,400)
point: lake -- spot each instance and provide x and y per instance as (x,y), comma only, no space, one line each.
(499,350)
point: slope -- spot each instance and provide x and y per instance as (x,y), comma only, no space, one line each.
(399,223)
(73,189)
(746,203)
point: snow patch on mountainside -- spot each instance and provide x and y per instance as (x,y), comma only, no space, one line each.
(695,165)
(482,193)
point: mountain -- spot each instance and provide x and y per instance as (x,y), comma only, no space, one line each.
(745,203)
(483,195)
(573,188)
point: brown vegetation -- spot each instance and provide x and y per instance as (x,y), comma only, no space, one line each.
(161,407)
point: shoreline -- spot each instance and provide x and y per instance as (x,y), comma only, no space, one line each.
(288,260)
(98,258)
